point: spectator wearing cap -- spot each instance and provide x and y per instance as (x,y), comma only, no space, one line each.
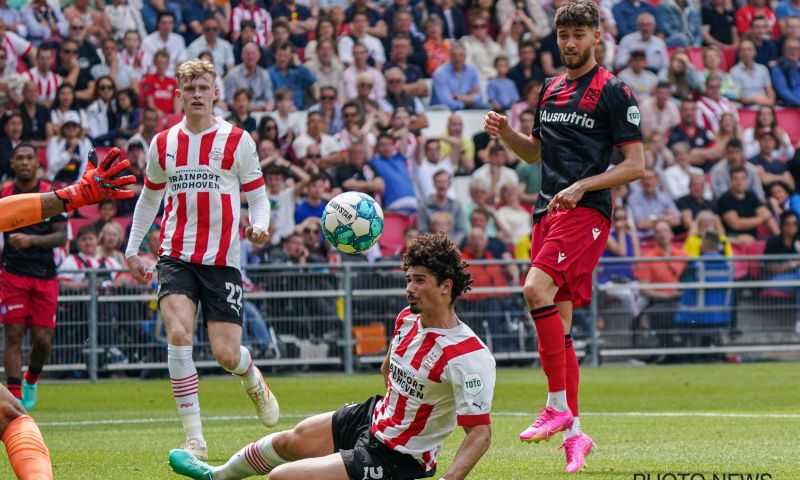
(786,74)
(330,148)
(753,78)
(636,76)
(284,74)
(769,162)
(163,39)
(399,194)
(481,49)
(68,151)
(374,46)
(456,84)
(412,72)
(300,18)
(360,65)
(397,95)
(404,27)
(645,39)
(659,113)
(326,66)
(699,139)
(251,76)
(330,107)
(526,70)
(712,105)
(742,212)
(682,23)
(734,158)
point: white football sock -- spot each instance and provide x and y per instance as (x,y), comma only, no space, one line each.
(249,373)
(575,430)
(258,458)
(185,384)
(558,400)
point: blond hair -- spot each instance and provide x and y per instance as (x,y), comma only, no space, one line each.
(192,69)
(107,228)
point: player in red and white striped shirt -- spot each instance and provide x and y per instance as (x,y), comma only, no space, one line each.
(201,164)
(438,375)
(250,11)
(46,80)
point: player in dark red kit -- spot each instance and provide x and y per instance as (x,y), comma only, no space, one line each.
(581,117)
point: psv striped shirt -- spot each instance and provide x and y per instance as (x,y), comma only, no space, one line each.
(259,16)
(202,174)
(47,84)
(437,378)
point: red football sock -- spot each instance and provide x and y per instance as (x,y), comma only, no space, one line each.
(550,332)
(32,375)
(573,375)
(15,387)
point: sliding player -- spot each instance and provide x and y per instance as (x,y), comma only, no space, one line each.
(27,453)
(438,374)
(581,117)
(201,163)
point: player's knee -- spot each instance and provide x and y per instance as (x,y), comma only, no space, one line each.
(227,357)
(180,336)
(284,444)
(14,336)
(536,295)
(10,409)
(280,473)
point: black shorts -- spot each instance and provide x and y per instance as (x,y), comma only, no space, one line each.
(364,455)
(217,289)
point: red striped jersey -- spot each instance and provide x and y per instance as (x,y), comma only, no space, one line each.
(259,16)
(47,84)
(202,174)
(437,378)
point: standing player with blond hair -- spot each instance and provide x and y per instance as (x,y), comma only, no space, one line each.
(202,163)
(581,117)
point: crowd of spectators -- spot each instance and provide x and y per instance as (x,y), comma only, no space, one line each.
(338,96)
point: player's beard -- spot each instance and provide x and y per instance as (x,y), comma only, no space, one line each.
(583,57)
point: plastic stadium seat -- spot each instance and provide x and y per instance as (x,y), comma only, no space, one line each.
(789,120)
(75,224)
(370,339)
(392,236)
(696,57)
(747,117)
(90,212)
(728,58)
(42,154)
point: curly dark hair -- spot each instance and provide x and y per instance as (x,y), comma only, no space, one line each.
(441,256)
(578,13)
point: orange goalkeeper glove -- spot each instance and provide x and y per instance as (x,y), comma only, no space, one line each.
(98,183)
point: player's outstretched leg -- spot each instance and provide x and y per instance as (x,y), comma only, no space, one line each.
(256,388)
(27,453)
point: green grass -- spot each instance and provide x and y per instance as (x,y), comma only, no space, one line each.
(626,444)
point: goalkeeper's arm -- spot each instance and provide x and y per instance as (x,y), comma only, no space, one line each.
(96,184)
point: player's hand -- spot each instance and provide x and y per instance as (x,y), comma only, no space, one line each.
(495,124)
(256,238)
(138,272)
(566,199)
(19,240)
(98,183)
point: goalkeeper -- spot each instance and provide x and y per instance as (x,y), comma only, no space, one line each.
(27,453)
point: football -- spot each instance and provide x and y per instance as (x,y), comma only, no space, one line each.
(352,222)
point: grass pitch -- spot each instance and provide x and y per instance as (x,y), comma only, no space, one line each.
(662,421)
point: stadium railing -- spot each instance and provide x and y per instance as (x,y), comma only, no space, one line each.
(341,316)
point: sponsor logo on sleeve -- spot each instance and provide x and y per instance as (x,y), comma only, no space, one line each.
(473,384)
(633,115)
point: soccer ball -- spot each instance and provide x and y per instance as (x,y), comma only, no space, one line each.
(352,222)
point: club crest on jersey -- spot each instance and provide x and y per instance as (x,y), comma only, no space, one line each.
(473,383)
(574,118)
(633,115)
(430,360)
(216,155)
